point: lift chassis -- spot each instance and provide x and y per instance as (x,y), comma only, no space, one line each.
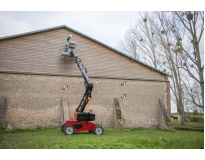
(82,119)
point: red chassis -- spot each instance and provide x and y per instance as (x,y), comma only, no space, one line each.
(80,125)
(77,125)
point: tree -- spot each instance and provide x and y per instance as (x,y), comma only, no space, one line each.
(129,45)
(140,41)
(169,36)
(192,96)
(193,23)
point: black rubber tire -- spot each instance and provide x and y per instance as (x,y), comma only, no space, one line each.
(68,130)
(98,130)
(62,128)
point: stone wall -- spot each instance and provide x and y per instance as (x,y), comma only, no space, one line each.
(39,100)
(2,110)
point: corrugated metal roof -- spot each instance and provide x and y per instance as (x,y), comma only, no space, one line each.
(64,26)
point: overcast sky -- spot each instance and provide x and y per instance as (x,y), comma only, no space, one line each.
(107,27)
(107,24)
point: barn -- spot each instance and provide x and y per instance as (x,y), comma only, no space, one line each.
(41,88)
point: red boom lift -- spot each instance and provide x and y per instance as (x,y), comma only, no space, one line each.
(82,119)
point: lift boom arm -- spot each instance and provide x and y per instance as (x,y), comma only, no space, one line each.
(87,83)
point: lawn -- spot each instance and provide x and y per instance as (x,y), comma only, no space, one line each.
(189,126)
(111,139)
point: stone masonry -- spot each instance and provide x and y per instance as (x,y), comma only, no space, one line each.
(39,100)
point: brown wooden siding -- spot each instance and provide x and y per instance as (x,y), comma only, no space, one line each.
(40,53)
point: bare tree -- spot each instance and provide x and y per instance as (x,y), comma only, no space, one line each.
(129,45)
(193,23)
(140,41)
(168,32)
(192,93)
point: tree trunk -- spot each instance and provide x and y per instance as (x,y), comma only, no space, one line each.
(202,86)
(182,118)
(182,115)
(201,76)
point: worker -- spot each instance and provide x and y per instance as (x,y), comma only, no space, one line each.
(67,42)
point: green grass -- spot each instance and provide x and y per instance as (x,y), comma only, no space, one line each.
(190,126)
(111,139)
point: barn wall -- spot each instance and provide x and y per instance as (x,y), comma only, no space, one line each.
(35,100)
(32,74)
(40,53)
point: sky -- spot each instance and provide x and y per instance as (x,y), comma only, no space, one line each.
(106,26)
(104,20)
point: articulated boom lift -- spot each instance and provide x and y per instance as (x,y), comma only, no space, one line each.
(82,119)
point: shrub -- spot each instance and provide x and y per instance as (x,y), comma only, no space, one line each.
(195,119)
(198,119)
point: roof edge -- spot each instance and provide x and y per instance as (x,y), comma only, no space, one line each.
(32,32)
(64,26)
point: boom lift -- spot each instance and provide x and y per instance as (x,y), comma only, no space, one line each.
(82,119)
